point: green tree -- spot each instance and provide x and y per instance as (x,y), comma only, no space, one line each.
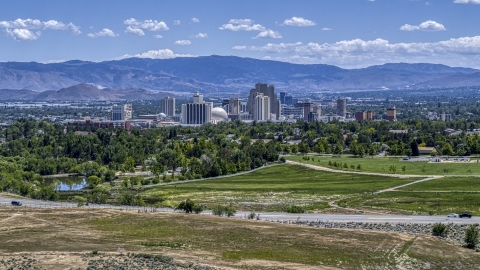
(93,181)
(447,149)
(404,169)
(471,236)
(128,164)
(392,168)
(338,150)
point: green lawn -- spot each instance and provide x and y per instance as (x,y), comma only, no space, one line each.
(382,165)
(272,188)
(440,203)
(447,184)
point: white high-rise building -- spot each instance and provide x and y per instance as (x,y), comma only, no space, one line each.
(198,112)
(128,111)
(168,106)
(261,107)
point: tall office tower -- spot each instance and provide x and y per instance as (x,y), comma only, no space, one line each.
(243,107)
(307,108)
(168,106)
(234,106)
(268,91)
(198,112)
(226,104)
(128,111)
(118,112)
(288,100)
(261,107)
(317,108)
(392,114)
(282,97)
(342,107)
(370,115)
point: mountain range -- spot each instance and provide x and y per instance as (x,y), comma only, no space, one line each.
(227,74)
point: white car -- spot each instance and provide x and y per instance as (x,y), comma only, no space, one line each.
(453,215)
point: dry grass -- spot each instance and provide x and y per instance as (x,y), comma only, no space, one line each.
(223,242)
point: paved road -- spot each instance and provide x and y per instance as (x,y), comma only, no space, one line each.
(6,202)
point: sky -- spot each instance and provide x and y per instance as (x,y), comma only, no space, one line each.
(345,33)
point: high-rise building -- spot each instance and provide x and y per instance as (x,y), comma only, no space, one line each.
(234,106)
(445,117)
(261,107)
(282,97)
(168,106)
(198,112)
(128,111)
(370,115)
(342,107)
(266,90)
(360,116)
(118,112)
(392,114)
(307,108)
(317,108)
(288,100)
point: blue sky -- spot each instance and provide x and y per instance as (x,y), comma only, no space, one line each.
(346,33)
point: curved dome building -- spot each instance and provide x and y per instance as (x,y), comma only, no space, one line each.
(219,115)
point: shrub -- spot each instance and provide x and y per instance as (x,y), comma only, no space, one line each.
(439,229)
(252,215)
(221,210)
(145,182)
(198,209)
(186,206)
(294,209)
(282,160)
(471,236)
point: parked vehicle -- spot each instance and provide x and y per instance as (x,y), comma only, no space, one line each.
(467,215)
(452,215)
(16,203)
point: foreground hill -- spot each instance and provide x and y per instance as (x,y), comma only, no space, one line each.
(227,74)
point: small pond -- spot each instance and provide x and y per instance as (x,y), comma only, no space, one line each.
(70,183)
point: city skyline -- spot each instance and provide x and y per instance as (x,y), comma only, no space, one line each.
(348,34)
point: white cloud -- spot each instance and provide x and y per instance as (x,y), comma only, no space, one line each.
(424,26)
(242,25)
(327,29)
(21,29)
(136,27)
(241,21)
(475,2)
(195,20)
(177,22)
(359,53)
(158,36)
(23,34)
(182,42)
(200,35)
(299,21)
(156,54)
(104,33)
(268,34)
(134,31)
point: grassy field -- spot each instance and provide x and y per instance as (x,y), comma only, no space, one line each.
(447,184)
(226,243)
(270,189)
(408,202)
(382,165)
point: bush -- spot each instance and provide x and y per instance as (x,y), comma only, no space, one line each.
(252,215)
(471,236)
(221,210)
(294,209)
(145,182)
(282,160)
(439,229)
(189,206)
